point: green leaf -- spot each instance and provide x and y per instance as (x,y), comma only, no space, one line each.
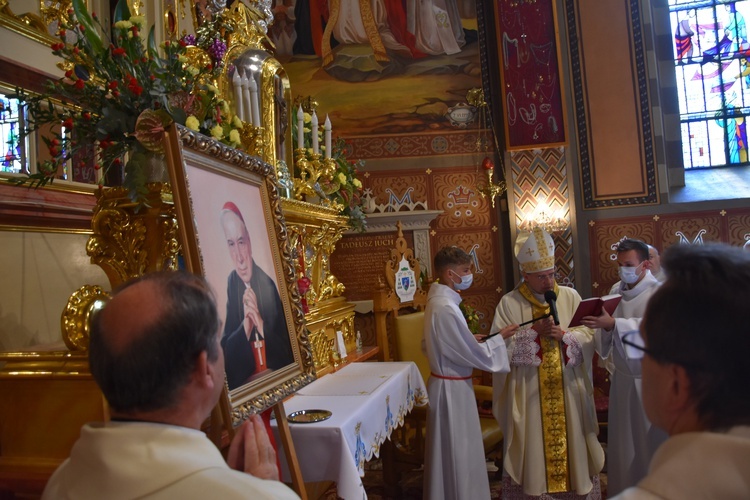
(85,19)
(122,12)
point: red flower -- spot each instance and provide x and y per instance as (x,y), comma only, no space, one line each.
(69,73)
(57,46)
(97,166)
(115,93)
(119,51)
(86,115)
(82,27)
(76,50)
(54,142)
(61,33)
(80,84)
(53,151)
(68,123)
(112,85)
(182,43)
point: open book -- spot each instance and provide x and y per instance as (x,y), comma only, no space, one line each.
(593,307)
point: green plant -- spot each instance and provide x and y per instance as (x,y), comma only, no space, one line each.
(118,95)
(471,316)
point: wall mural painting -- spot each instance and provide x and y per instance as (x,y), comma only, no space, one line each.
(380,67)
(529,71)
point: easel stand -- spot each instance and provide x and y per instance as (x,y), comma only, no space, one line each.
(291,455)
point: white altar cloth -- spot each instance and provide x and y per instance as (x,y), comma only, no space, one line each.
(367,401)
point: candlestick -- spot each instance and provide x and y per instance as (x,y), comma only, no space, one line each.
(300,128)
(247,106)
(327,128)
(237,86)
(255,101)
(315,133)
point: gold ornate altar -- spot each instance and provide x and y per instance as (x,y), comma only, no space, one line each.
(47,396)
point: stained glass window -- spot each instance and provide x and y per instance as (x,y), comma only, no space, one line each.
(12,157)
(712,65)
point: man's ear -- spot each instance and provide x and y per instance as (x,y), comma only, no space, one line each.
(680,388)
(647,264)
(204,370)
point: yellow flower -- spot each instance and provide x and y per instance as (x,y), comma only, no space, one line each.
(308,117)
(192,123)
(123,25)
(182,58)
(342,179)
(217,132)
(192,70)
(224,106)
(356,183)
(137,20)
(236,122)
(234,137)
(211,88)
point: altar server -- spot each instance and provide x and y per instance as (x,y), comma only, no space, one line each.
(454,457)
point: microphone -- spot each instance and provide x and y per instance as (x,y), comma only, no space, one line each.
(551,298)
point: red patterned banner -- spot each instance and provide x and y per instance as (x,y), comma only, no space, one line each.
(529,69)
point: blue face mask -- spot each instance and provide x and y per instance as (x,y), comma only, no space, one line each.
(629,275)
(466,281)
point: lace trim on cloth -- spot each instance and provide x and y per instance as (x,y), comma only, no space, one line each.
(526,349)
(574,351)
(514,491)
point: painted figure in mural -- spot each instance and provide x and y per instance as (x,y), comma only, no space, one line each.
(736,132)
(545,405)
(389,27)
(282,30)
(454,453)
(631,439)
(255,336)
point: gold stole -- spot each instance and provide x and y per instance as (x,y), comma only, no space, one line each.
(552,400)
(368,20)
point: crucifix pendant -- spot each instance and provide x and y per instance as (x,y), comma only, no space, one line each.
(258,344)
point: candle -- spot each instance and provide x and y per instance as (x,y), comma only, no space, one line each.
(300,128)
(247,107)
(237,85)
(315,133)
(327,128)
(255,101)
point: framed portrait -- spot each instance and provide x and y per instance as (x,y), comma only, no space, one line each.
(233,233)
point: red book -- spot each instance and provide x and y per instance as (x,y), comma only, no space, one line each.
(593,307)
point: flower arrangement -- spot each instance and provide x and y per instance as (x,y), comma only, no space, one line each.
(344,188)
(118,95)
(471,316)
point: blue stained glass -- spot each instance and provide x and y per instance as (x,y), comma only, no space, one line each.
(10,148)
(712,68)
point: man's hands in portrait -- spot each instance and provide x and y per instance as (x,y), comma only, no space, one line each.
(547,328)
(252,313)
(251,450)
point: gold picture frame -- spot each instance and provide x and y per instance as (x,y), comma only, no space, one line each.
(216,190)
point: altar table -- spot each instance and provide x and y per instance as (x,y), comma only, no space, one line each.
(367,401)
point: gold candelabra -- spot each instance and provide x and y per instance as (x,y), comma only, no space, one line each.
(489,188)
(313,169)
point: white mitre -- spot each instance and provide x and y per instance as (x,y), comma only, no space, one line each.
(535,251)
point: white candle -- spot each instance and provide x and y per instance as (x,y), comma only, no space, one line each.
(315,133)
(237,85)
(300,128)
(255,101)
(327,128)
(246,107)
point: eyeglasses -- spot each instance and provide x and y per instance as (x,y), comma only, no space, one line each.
(545,277)
(657,356)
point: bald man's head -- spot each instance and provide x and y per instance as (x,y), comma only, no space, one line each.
(145,342)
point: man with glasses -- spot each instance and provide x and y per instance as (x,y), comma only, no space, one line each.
(545,404)
(631,439)
(695,382)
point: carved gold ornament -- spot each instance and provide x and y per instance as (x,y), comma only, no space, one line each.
(76,317)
